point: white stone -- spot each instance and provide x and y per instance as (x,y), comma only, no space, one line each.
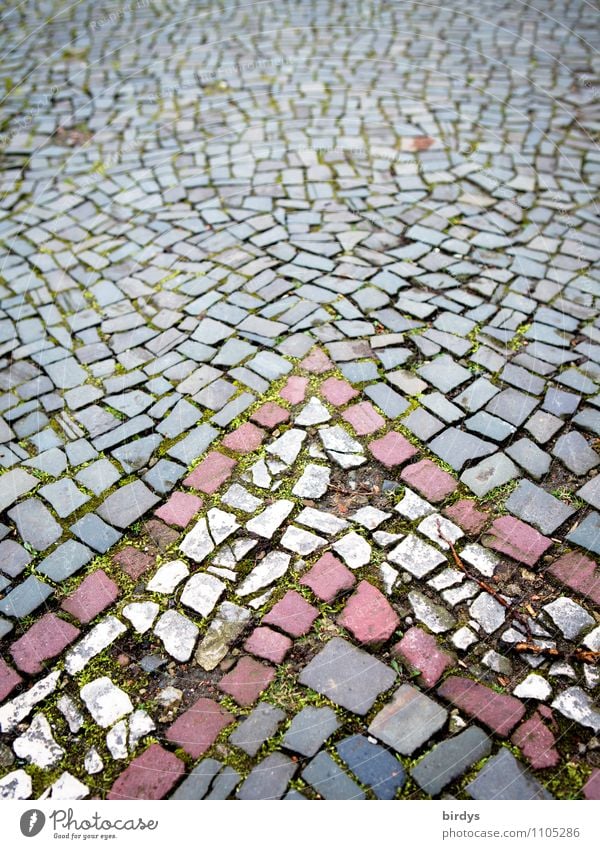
(287,447)
(413,506)
(533,687)
(370,517)
(221,524)
(339,440)
(141,614)
(497,662)
(92,762)
(15,785)
(37,745)
(562,669)
(95,641)
(267,522)
(230,555)
(169,696)
(416,556)
(271,567)
(457,594)
(321,521)
(354,550)
(315,412)
(435,616)
(434,526)
(389,576)
(197,544)
(347,461)
(464,638)
(488,612)
(301,541)
(71,713)
(384,540)
(168,577)
(202,592)
(105,701)
(592,640)
(177,634)
(116,741)
(13,712)
(239,498)
(571,618)
(228,623)
(140,724)
(259,475)
(482,559)
(259,601)
(591,675)
(66,787)
(576,704)
(446,578)
(313,482)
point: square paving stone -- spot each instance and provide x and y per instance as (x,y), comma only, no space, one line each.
(163,475)
(45,639)
(433,483)
(14,484)
(391,403)
(512,406)
(35,524)
(92,531)
(93,595)
(368,615)
(490,473)
(247,681)
(587,533)
(329,780)
(422,424)
(420,651)
(573,450)
(531,458)
(348,676)
(268,644)
(392,449)
(63,496)
(244,439)
(213,471)
(542,426)
(503,777)
(198,782)
(408,721)
(517,539)
(65,560)
(127,504)
(444,373)
(373,765)
(25,598)
(590,492)
(309,730)
(466,515)
(496,710)
(13,558)
(99,476)
(536,506)
(9,679)
(269,779)
(270,415)
(149,776)
(180,509)
(364,418)
(457,448)
(133,561)
(328,577)
(257,728)
(199,726)
(450,759)
(293,614)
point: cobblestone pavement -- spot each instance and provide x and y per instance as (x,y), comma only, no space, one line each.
(300,365)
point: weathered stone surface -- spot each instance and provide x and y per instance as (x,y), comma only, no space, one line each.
(247,681)
(309,730)
(368,615)
(199,726)
(106,702)
(348,676)
(450,759)
(419,650)
(329,780)
(499,712)
(517,539)
(579,573)
(408,721)
(328,577)
(503,777)
(257,728)
(45,639)
(373,765)
(93,595)
(268,780)
(432,482)
(149,776)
